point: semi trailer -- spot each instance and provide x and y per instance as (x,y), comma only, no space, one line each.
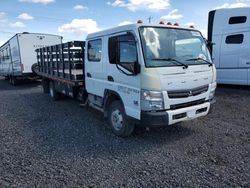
(18,54)
(138,74)
(229,31)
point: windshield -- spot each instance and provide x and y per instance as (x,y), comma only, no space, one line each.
(166,46)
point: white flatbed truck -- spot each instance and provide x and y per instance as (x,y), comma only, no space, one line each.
(152,75)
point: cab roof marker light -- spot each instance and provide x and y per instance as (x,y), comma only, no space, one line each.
(162,22)
(191,26)
(169,23)
(176,24)
(139,21)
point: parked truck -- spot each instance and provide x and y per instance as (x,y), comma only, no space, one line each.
(229,31)
(138,74)
(18,54)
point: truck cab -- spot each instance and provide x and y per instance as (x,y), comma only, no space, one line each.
(152,75)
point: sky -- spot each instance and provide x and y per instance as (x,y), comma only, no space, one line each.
(74,19)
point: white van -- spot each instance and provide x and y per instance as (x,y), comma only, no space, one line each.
(229,31)
(18,54)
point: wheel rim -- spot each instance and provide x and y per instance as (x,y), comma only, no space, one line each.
(51,91)
(117,119)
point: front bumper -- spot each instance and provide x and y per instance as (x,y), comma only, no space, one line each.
(212,102)
(169,117)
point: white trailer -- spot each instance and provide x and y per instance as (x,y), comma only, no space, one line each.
(138,74)
(229,31)
(18,54)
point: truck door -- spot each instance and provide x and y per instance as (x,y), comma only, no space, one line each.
(94,67)
(233,57)
(122,54)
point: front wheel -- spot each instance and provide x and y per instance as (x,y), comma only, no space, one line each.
(118,120)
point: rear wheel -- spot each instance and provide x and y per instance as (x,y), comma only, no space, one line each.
(34,68)
(118,120)
(45,84)
(53,93)
(13,80)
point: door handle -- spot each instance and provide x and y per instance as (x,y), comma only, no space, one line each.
(89,75)
(110,78)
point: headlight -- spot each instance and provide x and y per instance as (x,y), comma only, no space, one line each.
(211,95)
(212,90)
(214,74)
(151,100)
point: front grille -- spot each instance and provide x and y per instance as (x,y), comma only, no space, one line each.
(187,93)
(187,104)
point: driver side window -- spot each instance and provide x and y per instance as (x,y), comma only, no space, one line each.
(123,51)
(128,54)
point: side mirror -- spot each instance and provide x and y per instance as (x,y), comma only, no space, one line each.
(123,52)
(210,43)
(137,68)
(113,50)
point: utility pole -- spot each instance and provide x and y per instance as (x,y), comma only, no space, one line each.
(149,19)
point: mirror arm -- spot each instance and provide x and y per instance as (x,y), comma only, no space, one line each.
(137,67)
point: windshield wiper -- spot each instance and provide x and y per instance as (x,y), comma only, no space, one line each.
(201,59)
(171,59)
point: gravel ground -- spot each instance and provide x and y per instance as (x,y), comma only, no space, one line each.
(60,144)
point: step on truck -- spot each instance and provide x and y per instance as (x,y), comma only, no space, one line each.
(18,56)
(138,74)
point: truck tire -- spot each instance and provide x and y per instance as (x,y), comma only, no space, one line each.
(13,80)
(118,120)
(35,68)
(45,84)
(52,91)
